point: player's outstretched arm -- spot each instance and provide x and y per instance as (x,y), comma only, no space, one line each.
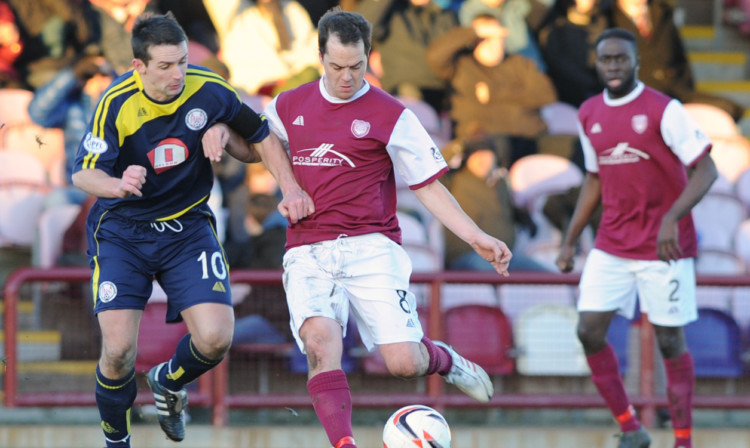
(588,200)
(441,203)
(100,184)
(295,204)
(220,137)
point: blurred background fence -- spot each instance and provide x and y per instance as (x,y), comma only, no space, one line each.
(520,328)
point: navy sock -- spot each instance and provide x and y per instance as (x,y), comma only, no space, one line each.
(186,365)
(115,400)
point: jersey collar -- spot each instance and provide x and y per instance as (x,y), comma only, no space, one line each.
(365,88)
(639,86)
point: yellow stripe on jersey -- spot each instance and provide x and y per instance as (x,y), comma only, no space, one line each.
(215,78)
(100,115)
(182,212)
(136,110)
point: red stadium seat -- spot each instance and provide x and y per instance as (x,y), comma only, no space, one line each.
(156,340)
(481,334)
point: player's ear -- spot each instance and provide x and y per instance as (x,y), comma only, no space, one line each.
(139,65)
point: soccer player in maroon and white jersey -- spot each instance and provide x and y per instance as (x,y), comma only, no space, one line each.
(345,138)
(637,143)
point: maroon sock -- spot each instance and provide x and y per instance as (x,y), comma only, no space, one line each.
(680,385)
(605,372)
(332,401)
(440,360)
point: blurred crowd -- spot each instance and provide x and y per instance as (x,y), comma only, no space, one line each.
(484,69)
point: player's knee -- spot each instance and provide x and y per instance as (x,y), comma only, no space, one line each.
(406,367)
(320,348)
(405,370)
(592,339)
(213,345)
(119,357)
(671,342)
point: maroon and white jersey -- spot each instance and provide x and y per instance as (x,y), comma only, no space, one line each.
(343,153)
(639,145)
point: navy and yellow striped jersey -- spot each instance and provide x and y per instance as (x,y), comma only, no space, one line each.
(129,128)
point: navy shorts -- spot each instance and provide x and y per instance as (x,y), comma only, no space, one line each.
(184,255)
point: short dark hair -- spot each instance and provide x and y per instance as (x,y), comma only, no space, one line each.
(155,29)
(349,26)
(617,33)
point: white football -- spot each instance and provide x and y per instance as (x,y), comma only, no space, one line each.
(416,426)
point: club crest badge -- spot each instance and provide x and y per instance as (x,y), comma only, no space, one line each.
(639,123)
(107,291)
(94,145)
(360,128)
(196,119)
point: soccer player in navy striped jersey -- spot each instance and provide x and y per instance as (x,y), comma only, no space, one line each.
(147,157)
(345,137)
(637,144)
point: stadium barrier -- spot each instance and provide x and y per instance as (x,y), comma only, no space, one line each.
(277,382)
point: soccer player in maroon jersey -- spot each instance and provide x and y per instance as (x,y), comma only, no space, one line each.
(637,143)
(345,137)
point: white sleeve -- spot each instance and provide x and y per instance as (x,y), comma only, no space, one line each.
(275,124)
(681,133)
(415,155)
(589,155)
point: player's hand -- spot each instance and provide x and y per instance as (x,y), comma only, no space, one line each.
(668,241)
(494,251)
(296,206)
(214,141)
(132,181)
(564,260)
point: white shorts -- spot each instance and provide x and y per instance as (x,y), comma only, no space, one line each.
(368,274)
(666,290)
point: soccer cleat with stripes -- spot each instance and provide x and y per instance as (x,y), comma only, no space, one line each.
(634,439)
(470,378)
(170,406)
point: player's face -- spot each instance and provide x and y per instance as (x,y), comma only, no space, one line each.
(164,75)
(617,66)
(345,66)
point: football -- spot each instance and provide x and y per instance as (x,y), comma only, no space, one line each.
(416,426)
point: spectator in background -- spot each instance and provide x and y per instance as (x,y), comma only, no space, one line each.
(193,17)
(512,15)
(452,5)
(539,10)
(115,18)
(491,93)
(267,230)
(263,317)
(737,13)
(268,45)
(53,33)
(402,32)
(481,189)
(559,207)
(316,8)
(567,39)
(231,174)
(68,101)
(11,46)
(664,63)
(637,144)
